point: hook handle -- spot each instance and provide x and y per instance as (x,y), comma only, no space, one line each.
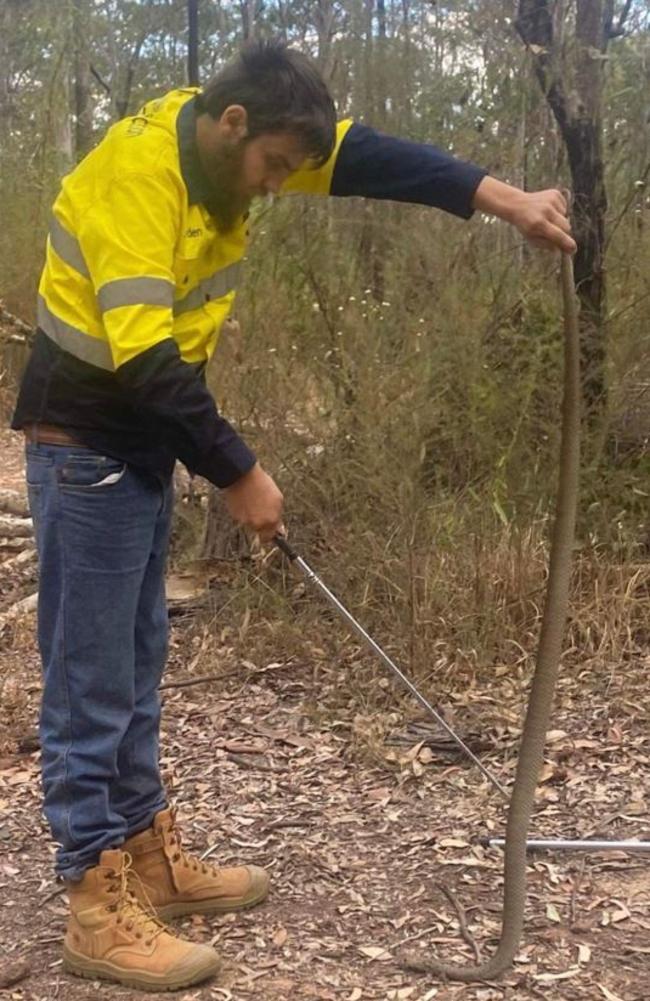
(282,544)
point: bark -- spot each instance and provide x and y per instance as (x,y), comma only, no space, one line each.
(82,104)
(577,110)
(325,21)
(6,25)
(193,43)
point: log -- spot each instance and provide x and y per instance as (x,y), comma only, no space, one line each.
(13,502)
(16,545)
(23,558)
(12,528)
(22,607)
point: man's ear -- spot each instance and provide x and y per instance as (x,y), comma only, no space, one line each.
(234,122)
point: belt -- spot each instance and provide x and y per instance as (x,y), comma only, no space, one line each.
(49,434)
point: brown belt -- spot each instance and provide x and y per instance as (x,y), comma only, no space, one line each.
(49,434)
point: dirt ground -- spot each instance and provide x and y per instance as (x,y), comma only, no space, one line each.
(361,838)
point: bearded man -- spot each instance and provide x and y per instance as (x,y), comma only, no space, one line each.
(143,258)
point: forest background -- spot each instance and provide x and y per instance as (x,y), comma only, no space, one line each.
(397,370)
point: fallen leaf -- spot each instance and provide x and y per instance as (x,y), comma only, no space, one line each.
(544,978)
(374,952)
(584,953)
(280,937)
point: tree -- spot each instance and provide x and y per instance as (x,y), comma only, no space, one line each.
(571,73)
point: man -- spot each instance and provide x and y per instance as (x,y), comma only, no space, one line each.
(143,257)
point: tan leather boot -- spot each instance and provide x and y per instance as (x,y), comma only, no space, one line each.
(112,936)
(179,883)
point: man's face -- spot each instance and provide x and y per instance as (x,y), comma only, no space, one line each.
(267,161)
(241,169)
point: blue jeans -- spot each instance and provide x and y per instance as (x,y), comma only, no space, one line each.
(102,531)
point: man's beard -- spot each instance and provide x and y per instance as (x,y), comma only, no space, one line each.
(227,203)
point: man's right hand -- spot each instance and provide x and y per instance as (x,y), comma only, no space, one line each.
(255,502)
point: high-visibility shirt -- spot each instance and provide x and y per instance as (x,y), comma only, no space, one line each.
(138,280)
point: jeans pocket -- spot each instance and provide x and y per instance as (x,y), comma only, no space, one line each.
(38,466)
(89,472)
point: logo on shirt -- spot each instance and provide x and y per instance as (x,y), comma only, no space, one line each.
(193,233)
(137,126)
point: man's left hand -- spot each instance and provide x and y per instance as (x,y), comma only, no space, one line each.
(541,216)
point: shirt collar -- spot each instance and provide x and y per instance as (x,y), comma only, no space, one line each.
(196,181)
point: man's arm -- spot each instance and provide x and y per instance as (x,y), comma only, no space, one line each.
(374,165)
(370,164)
(127,243)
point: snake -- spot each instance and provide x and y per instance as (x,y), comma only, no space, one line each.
(549,650)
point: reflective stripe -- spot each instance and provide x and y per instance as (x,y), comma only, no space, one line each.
(67,247)
(135,292)
(72,340)
(214,287)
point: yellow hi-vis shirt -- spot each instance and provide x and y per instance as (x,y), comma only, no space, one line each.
(131,260)
(138,280)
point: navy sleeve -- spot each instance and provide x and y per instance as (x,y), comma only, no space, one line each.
(374,165)
(169,390)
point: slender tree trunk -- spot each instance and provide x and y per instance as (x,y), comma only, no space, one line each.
(193,42)
(82,105)
(249,13)
(325,18)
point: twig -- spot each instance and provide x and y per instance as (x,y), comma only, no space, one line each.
(55,893)
(215,677)
(415,937)
(194,681)
(462,921)
(279,824)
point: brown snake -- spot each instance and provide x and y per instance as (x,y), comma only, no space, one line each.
(531,751)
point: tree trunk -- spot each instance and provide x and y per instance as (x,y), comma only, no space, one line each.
(325,19)
(577,109)
(82,105)
(193,43)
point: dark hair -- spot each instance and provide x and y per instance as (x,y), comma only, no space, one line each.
(281,90)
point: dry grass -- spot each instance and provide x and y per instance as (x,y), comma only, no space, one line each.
(407,403)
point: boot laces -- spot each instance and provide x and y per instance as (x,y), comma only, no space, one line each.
(178,853)
(131,912)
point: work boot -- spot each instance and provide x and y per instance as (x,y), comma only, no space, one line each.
(178,883)
(111,935)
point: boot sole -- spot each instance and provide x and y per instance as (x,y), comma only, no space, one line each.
(97,969)
(182,908)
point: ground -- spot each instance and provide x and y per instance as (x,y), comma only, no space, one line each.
(271,764)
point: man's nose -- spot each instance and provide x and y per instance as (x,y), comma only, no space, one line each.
(272,185)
